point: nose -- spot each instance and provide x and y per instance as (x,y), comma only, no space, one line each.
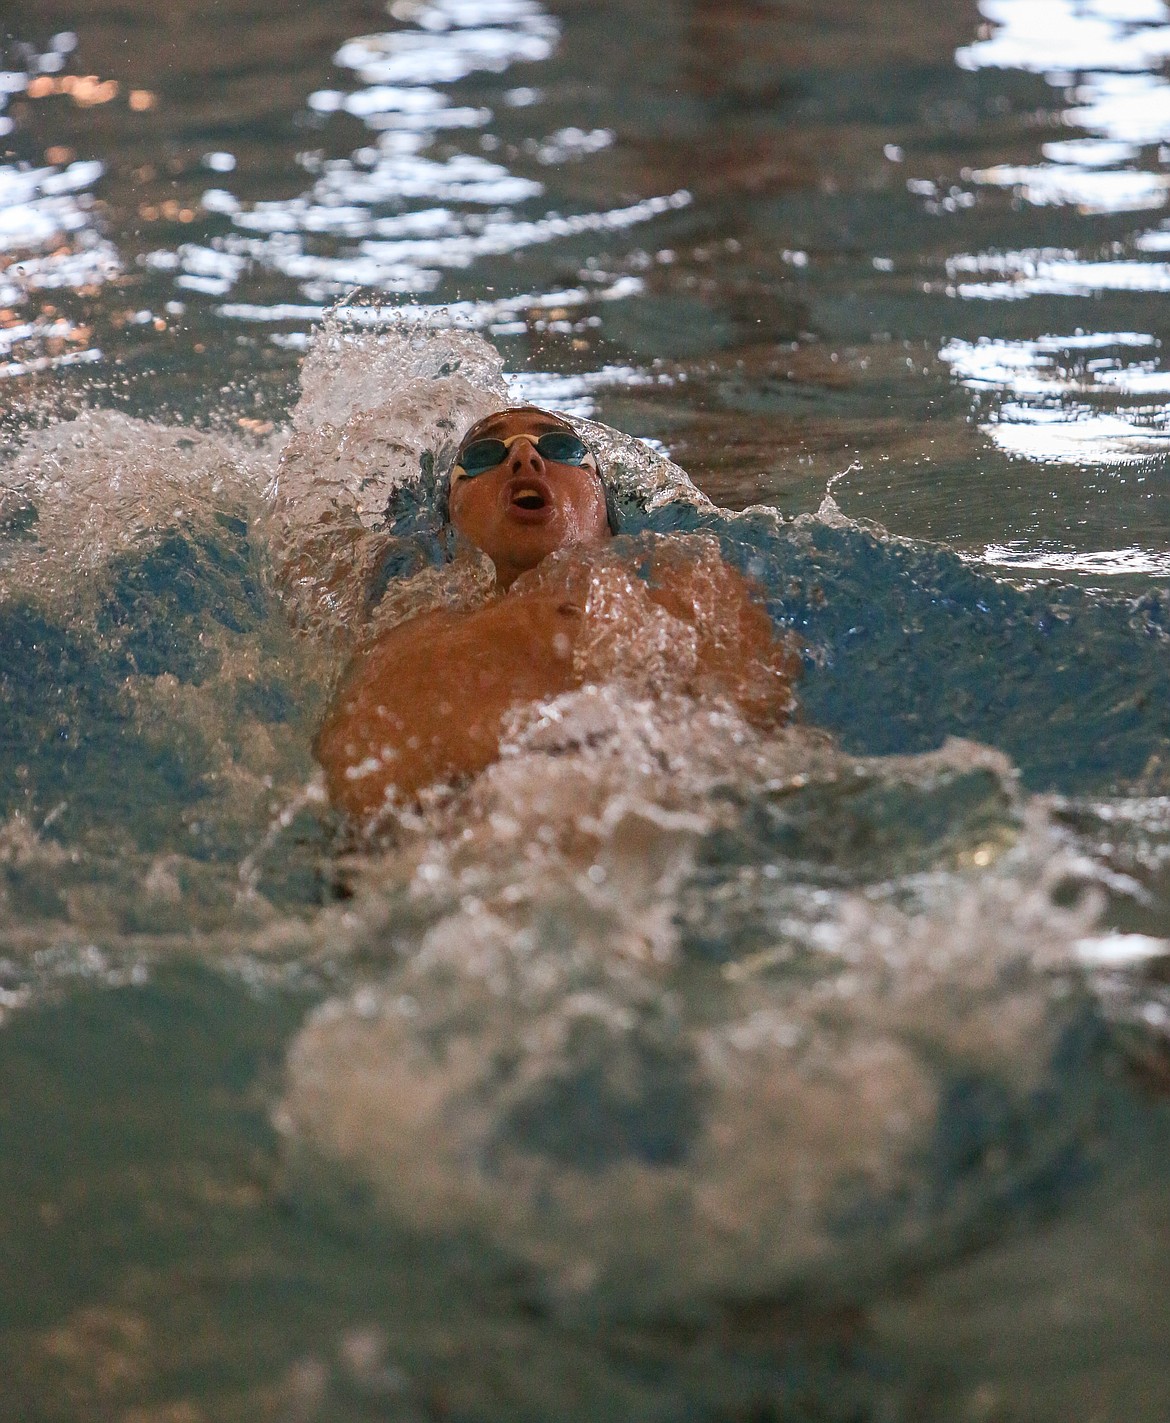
(525,458)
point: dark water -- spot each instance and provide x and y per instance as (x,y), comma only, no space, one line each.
(672,1075)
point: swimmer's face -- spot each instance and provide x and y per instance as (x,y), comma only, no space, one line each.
(541,495)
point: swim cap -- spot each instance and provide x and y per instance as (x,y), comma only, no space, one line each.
(473,436)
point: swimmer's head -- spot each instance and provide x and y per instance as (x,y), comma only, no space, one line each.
(525,484)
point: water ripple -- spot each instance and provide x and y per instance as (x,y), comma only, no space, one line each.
(1109,54)
(1048,395)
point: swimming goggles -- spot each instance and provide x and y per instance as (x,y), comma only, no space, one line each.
(558,446)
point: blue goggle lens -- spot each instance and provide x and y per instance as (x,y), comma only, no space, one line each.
(559,446)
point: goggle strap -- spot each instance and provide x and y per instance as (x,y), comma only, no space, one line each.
(506,444)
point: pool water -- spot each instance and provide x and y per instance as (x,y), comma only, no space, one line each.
(670,1070)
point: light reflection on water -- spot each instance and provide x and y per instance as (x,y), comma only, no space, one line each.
(430,202)
(715,246)
(51,241)
(470,315)
(1109,563)
(405,253)
(1042,391)
(1046,273)
(469,201)
(574,394)
(1042,398)
(50,238)
(1106,57)
(1046,396)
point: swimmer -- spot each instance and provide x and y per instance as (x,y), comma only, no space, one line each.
(427,702)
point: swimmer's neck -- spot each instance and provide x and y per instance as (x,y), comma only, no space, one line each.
(508,575)
(507,571)
(505,578)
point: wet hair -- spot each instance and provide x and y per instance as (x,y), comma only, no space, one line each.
(443,487)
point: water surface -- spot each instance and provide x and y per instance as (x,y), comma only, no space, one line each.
(668,1072)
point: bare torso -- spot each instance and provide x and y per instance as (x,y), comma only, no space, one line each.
(428,701)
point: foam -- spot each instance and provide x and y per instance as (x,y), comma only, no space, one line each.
(665,1009)
(548,1061)
(102,485)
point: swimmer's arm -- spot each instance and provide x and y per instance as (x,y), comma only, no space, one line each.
(324,576)
(741,655)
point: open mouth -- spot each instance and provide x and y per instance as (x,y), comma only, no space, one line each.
(528,500)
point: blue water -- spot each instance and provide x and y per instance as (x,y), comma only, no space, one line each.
(667,1072)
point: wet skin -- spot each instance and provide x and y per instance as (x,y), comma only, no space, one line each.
(426,701)
(527,507)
